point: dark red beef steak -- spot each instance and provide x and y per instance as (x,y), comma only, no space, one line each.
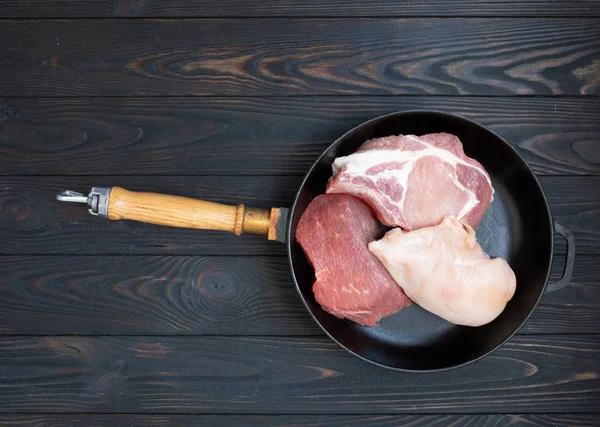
(334,232)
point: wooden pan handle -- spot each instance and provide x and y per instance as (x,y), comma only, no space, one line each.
(175,211)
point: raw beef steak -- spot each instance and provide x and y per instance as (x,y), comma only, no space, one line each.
(334,232)
(414,181)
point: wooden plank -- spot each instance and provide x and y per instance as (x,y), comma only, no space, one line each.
(151,295)
(137,295)
(579,212)
(300,57)
(286,8)
(195,136)
(33,222)
(286,375)
(125,420)
(574,308)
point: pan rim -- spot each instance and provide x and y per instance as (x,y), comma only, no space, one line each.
(451,115)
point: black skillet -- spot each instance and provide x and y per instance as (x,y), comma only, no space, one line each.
(518,227)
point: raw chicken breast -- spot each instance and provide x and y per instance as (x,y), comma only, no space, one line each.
(444,270)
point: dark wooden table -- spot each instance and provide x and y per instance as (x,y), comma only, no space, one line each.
(131,324)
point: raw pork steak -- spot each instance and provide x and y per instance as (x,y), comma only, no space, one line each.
(414,181)
(445,271)
(334,232)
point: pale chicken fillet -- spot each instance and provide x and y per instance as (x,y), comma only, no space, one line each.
(444,270)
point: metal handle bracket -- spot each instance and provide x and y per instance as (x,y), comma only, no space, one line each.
(570,261)
(97,200)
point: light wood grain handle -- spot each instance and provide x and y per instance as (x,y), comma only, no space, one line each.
(175,211)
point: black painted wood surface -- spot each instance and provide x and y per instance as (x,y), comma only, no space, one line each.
(130,324)
(257,136)
(275,57)
(533,374)
(167,420)
(286,8)
(35,223)
(209,295)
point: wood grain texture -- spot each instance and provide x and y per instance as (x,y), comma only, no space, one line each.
(286,375)
(196,136)
(33,222)
(174,211)
(152,295)
(286,8)
(125,420)
(301,57)
(579,212)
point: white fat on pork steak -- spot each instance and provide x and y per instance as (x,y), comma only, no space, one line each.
(414,181)
(334,232)
(444,270)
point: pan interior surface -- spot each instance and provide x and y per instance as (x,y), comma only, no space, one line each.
(517,227)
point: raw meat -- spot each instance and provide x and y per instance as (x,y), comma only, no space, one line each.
(414,181)
(445,271)
(351,283)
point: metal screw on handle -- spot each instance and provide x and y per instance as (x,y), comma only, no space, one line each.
(71,197)
(97,200)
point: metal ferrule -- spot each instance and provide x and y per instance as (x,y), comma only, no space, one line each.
(97,200)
